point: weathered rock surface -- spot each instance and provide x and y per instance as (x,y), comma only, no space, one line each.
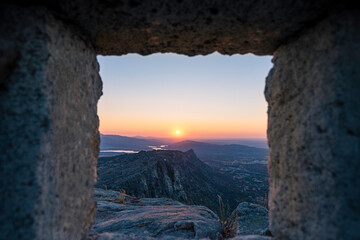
(248,219)
(190,27)
(314,133)
(168,173)
(49,87)
(151,219)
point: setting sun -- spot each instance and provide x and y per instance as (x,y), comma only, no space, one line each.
(177,132)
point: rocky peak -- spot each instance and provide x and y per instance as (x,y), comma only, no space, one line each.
(181,176)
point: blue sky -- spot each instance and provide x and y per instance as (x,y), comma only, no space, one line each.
(213,96)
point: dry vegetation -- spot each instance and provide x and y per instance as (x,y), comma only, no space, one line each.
(122,196)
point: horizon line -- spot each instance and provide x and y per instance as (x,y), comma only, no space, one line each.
(199,138)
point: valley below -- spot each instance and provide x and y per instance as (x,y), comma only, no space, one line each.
(218,177)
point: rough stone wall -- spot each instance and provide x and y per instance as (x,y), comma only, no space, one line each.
(191,27)
(314,132)
(49,87)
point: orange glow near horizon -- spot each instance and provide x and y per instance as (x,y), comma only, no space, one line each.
(189,130)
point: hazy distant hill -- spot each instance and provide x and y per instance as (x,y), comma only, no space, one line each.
(111,142)
(251,142)
(174,174)
(213,152)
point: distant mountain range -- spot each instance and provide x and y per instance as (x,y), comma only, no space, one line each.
(178,175)
(213,152)
(202,149)
(113,142)
(251,142)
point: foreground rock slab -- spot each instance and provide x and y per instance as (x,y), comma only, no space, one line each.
(247,219)
(151,218)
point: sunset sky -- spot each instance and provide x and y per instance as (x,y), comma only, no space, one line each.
(212,96)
